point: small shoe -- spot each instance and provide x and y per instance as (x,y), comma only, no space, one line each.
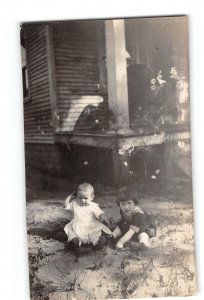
(68,246)
(75,243)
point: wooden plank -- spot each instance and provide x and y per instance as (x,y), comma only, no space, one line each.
(117,73)
(39,75)
(81,71)
(63,98)
(141,141)
(38,85)
(38,141)
(71,109)
(72,121)
(51,74)
(101,51)
(78,89)
(37,97)
(65,66)
(74,111)
(47,133)
(42,79)
(38,111)
(41,105)
(77,99)
(32,121)
(64,39)
(36,50)
(38,66)
(34,41)
(74,55)
(36,60)
(88,140)
(75,79)
(44,100)
(40,90)
(69,103)
(73,45)
(35,31)
(68,51)
(64,88)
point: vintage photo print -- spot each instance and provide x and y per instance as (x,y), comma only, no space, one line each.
(108,158)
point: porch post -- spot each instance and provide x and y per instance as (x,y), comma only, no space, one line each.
(117,75)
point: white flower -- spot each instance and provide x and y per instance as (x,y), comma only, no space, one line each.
(57,116)
(153,81)
(126,147)
(121,151)
(157,171)
(125,163)
(130,150)
(141,130)
(153,177)
(87,110)
(159,78)
(86,163)
(181,144)
(153,87)
(174,73)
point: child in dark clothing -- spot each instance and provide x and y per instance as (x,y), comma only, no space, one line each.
(135,223)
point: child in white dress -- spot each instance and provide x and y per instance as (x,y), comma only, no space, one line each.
(86,227)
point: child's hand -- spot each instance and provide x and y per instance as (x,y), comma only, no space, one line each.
(119,245)
(73,196)
(104,219)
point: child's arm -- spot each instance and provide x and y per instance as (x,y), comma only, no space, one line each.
(99,214)
(125,238)
(103,218)
(69,199)
(116,232)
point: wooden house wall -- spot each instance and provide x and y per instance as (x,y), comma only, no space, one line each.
(77,77)
(37,111)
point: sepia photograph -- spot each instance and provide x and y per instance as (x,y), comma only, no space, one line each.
(108,159)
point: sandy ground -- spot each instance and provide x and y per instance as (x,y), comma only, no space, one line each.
(167,268)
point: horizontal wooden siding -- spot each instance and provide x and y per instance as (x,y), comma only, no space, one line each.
(37,111)
(77,77)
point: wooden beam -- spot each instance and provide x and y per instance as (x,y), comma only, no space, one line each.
(156,139)
(101,54)
(86,140)
(117,74)
(51,77)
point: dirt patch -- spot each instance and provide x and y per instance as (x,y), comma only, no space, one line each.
(167,268)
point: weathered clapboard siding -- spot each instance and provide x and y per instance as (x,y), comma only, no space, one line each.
(77,77)
(37,112)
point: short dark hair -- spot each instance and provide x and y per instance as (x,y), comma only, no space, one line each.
(127,193)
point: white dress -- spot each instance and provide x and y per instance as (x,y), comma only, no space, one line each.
(85,225)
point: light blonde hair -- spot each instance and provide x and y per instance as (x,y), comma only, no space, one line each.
(86,187)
